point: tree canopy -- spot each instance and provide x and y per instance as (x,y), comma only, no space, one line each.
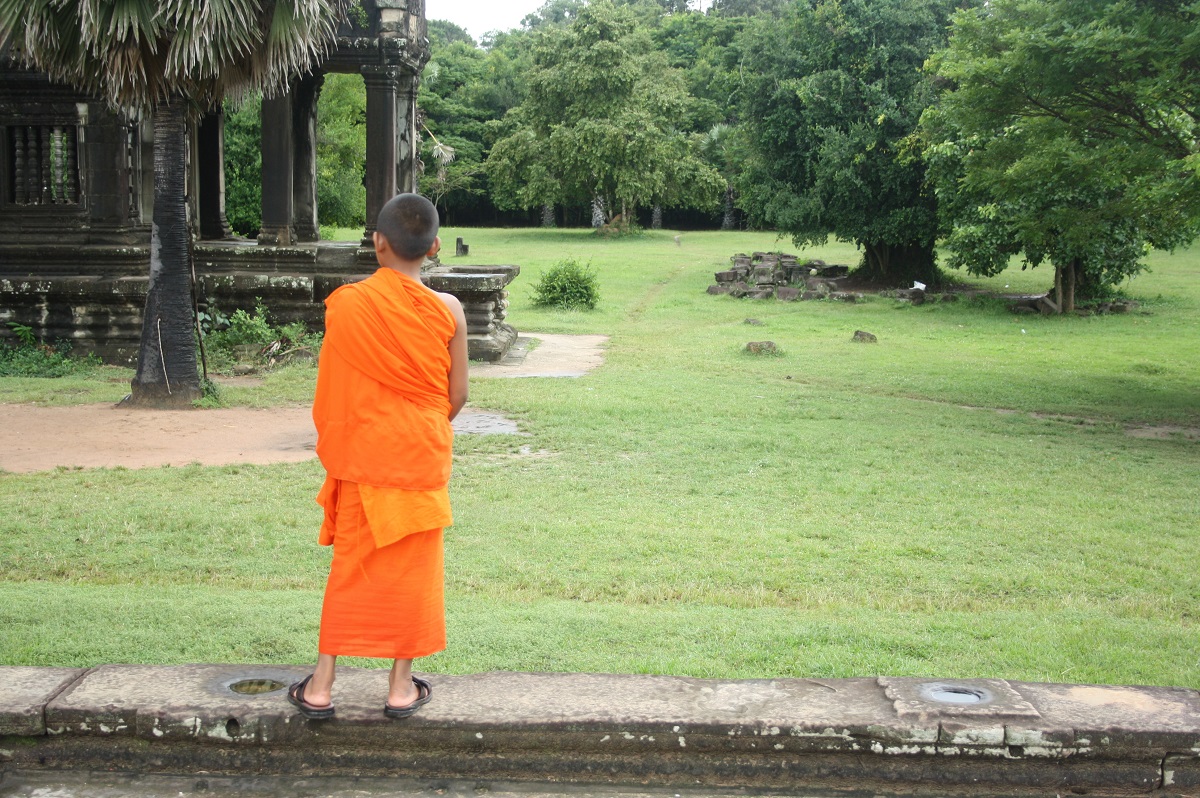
(599,123)
(833,92)
(1069,135)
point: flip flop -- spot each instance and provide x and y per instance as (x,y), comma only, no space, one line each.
(312,712)
(424,693)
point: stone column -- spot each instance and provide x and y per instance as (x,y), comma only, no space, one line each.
(305,94)
(210,145)
(383,136)
(277,163)
(406,129)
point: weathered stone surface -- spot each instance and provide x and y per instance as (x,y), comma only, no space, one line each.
(727,276)
(738,289)
(762,292)
(844,296)
(24,693)
(963,698)
(719,290)
(762,348)
(664,731)
(1047,306)
(864,337)
(808,296)
(753,322)
(1109,717)
(787,294)
(763,275)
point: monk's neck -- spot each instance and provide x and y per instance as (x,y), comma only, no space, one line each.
(411,270)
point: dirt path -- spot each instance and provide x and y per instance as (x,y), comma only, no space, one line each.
(34,438)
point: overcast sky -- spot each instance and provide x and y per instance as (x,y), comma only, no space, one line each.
(482,16)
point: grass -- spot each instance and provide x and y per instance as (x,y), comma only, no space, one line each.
(961,499)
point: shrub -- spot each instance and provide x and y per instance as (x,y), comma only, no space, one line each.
(29,358)
(567,285)
(250,337)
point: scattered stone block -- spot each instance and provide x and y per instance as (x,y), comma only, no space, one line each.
(762,292)
(762,348)
(787,294)
(1048,307)
(738,289)
(753,322)
(864,337)
(844,296)
(719,289)
(810,295)
(818,285)
(727,276)
(763,275)
(949,297)
(461,248)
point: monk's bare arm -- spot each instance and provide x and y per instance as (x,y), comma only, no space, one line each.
(458,355)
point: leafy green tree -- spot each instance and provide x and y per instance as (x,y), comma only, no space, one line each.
(342,151)
(174,57)
(1069,136)
(833,93)
(598,124)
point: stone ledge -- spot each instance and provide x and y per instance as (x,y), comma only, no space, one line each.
(650,730)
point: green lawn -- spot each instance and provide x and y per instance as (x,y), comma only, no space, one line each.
(961,499)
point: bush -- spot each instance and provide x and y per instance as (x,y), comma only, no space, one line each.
(29,358)
(568,286)
(250,337)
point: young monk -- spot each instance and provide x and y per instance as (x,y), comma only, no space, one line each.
(392,375)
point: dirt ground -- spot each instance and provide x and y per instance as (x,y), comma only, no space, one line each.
(34,438)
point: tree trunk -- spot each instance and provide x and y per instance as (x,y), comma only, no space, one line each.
(548,215)
(728,220)
(597,212)
(166,371)
(656,218)
(1069,298)
(1058,286)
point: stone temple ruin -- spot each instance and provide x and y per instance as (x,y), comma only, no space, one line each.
(76,194)
(766,275)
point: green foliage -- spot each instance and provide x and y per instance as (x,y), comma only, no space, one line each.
(342,151)
(243,166)
(600,123)
(251,337)
(29,358)
(1069,135)
(568,285)
(832,93)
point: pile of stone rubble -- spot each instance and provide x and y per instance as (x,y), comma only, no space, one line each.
(763,275)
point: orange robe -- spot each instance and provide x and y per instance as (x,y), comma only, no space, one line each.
(383,434)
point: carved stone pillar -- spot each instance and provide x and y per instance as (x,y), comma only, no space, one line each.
(383,137)
(278,160)
(406,129)
(305,94)
(210,145)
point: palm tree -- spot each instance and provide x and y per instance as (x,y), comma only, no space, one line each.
(718,148)
(175,59)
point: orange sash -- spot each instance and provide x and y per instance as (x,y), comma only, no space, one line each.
(383,385)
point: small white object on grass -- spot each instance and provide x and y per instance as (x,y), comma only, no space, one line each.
(679,241)
(918,286)
(1022,332)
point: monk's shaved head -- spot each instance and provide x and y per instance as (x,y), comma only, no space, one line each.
(409,222)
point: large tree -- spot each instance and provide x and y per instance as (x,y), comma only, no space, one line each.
(174,59)
(1070,135)
(599,124)
(833,94)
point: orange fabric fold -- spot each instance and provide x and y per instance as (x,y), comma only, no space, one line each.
(382,403)
(391,513)
(381,601)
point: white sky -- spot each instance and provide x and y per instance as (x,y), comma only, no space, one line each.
(481,16)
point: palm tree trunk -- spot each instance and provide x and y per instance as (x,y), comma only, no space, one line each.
(166,372)
(727,220)
(548,215)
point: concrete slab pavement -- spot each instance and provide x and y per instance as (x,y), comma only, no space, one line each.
(940,737)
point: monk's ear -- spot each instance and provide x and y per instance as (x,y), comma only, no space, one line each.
(381,242)
(435,248)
